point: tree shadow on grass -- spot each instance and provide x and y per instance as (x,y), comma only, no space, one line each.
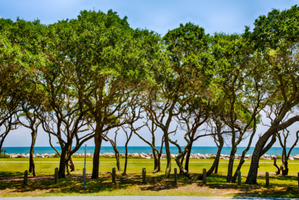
(6,175)
(275,189)
(74,185)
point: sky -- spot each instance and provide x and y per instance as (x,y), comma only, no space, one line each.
(227,16)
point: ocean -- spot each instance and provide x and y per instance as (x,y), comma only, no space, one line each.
(144,149)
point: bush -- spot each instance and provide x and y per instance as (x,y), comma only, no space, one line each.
(278,156)
(4,156)
(56,155)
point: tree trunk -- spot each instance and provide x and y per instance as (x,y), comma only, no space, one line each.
(62,163)
(231,164)
(179,159)
(275,127)
(157,164)
(253,170)
(215,163)
(96,156)
(116,153)
(188,156)
(72,165)
(242,160)
(216,168)
(182,161)
(31,161)
(285,169)
(277,168)
(126,160)
(168,156)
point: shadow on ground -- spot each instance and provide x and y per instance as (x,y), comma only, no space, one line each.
(74,184)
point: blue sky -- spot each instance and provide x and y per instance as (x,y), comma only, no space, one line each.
(228,16)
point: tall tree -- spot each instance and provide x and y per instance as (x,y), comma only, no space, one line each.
(187,72)
(276,37)
(21,56)
(111,62)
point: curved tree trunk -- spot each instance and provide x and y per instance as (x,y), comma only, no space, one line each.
(96,156)
(188,156)
(72,165)
(178,160)
(231,164)
(216,161)
(31,161)
(259,150)
(182,161)
(116,153)
(168,156)
(277,168)
(126,160)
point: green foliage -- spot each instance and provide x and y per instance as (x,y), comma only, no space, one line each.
(3,155)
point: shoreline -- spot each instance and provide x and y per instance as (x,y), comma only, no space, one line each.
(150,156)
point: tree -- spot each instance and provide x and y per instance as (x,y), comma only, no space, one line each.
(282,138)
(21,56)
(276,37)
(217,130)
(194,115)
(32,123)
(111,63)
(157,153)
(186,73)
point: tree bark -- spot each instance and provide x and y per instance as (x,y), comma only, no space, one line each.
(179,159)
(277,168)
(188,156)
(216,161)
(31,161)
(168,156)
(96,156)
(157,163)
(252,174)
(62,163)
(229,177)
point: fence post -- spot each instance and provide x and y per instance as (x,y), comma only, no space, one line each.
(144,176)
(113,175)
(25,177)
(175,176)
(56,175)
(239,177)
(204,176)
(267,179)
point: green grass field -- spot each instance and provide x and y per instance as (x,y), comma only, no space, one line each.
(131,184)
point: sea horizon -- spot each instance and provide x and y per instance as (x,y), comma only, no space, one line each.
(144,149)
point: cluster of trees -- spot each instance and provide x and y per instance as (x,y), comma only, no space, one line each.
(79,79)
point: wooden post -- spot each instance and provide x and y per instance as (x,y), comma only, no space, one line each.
(267,179)
(84,174)
(113,175)
(56,175)
(204,176)
(175,176)
(25,177)
(239,177)
(144,176)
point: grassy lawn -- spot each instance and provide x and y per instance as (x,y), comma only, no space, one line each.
(131,184)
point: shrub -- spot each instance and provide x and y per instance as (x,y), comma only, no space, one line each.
(4,156)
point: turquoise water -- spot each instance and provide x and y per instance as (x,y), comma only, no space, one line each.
(142,149)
